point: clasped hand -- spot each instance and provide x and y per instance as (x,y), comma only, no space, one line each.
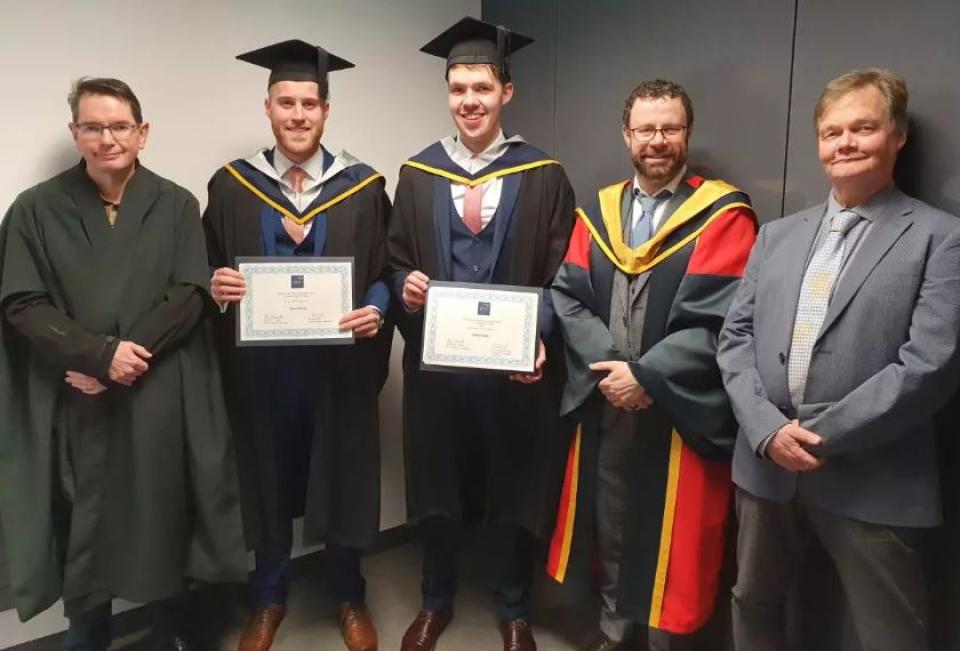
(620,387)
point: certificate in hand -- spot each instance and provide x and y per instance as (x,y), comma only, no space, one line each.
(294,301)
(475,327)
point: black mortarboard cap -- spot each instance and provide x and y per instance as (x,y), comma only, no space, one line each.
(295,60)
(476,41)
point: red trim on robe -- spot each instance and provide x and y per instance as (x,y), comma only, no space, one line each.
(697,545)
(695,181)
(578,253)
(557,555)
(724,246)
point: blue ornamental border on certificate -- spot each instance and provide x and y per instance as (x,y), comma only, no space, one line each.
(340,266)
(504,294)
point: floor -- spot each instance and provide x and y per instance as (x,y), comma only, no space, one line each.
(560,622)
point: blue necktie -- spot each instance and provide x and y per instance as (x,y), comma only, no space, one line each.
(643,225)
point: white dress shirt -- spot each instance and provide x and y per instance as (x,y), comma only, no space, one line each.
(473,163)
(312,185)
(637,210)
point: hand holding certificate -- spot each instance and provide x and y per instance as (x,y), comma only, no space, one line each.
(481,328)
(291,301)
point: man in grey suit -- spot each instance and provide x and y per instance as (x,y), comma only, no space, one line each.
(839,347)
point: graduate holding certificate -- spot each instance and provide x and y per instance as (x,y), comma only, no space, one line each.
(479,207)
(305,417)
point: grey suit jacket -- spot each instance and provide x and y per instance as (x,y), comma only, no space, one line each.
(885,360)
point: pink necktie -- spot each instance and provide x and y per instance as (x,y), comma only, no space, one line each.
(471,208)
(295,176)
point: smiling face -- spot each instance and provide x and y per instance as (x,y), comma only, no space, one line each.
(858,141)
(659,159)
(297,116)
(476,99)
(106,153)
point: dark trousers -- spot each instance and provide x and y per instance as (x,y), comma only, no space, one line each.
(271,578)
(880,569)
(292,411)
(92,629)
(616,436)
(509,555)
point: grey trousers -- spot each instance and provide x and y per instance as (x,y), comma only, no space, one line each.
(616,433)
(880,569)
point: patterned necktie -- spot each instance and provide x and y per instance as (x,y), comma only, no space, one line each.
(643,225)
(295,176)
(471,208)
(818,282)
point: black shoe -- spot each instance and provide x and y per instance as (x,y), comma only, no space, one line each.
(178,642)
(603,643)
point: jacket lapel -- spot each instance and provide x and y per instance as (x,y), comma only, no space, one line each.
(889,226)
(792,269)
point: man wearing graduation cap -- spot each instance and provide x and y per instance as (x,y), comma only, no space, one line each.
(482,208)
(116,470)
(653,264)
(305,417)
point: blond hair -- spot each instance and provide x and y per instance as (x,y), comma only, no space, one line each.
(891,86)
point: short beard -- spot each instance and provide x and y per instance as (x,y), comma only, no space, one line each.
(665,177)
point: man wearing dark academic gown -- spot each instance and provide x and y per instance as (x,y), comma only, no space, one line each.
(305,417)
(652,266)
(117,476)
(482,208)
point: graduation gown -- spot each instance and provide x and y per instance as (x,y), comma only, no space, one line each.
(341,503)
(131,492)
(679,478)
(514,466)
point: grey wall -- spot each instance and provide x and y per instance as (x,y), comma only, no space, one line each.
(205,109)
(589,56)
(754,69)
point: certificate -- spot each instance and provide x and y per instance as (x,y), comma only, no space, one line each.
(294,301)
(475,327)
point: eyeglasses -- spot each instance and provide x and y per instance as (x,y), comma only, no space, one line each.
(119,131)
(647,133)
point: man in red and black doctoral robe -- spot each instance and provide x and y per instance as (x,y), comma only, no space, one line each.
(305,417)
(482,208)
(652,265)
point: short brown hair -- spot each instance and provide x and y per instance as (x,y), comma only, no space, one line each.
(658,89)
(499,72)
(891,86)
(103,86)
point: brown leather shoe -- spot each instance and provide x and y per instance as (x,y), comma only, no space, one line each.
(258,635)
(357,627)
(516,635)
(423,633)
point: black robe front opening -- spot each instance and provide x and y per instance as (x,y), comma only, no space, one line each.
(521,461)
(131,492)
(342,501)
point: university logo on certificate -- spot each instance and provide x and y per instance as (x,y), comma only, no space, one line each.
(294,301)
(481,328)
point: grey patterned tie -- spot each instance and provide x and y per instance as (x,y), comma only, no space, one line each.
(643,226)
(818,282)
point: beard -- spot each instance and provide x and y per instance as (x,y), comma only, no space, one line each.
(662,173)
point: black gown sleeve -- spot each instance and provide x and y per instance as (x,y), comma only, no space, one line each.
(58,338)
(169,322)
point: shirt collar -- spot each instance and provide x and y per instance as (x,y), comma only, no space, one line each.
(871,209)
(671,187)
(462,156)
(313,166)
